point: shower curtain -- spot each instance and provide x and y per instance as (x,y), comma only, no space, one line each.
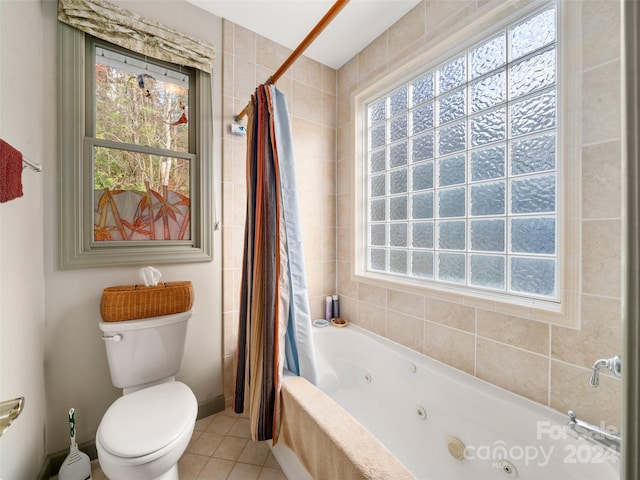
(274,327)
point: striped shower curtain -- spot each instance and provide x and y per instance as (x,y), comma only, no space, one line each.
(274,327)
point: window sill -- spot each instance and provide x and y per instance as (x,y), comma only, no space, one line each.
(550,311)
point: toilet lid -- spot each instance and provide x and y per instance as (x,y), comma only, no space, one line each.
(145,421)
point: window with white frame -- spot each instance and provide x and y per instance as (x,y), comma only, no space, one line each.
(461,167)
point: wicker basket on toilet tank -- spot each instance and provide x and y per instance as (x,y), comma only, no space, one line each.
(132,302)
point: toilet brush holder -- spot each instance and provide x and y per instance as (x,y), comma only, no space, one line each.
(77,465)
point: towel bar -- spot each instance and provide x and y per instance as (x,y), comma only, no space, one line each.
(32,165)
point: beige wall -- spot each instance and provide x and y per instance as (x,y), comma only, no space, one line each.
(310,88)
(22,312)
(498,343)
(51,347)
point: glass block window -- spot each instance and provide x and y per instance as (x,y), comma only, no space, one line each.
(462,167)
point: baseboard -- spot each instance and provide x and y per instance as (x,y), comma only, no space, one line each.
(45,471)
(209,407)
(53,462)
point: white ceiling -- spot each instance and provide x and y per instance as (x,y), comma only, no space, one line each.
(288,22)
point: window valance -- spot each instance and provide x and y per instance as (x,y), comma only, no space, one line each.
(131,31)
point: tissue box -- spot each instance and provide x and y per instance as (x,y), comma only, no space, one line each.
(133,302)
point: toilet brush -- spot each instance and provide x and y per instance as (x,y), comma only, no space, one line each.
(77,465)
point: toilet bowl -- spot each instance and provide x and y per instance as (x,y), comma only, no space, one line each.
(143,434)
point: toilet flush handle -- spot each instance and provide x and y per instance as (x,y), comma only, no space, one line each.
(114,338)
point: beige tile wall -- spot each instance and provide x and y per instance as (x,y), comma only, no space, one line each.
(310,88)
(500,343)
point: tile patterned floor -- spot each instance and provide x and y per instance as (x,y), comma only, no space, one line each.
(221,449)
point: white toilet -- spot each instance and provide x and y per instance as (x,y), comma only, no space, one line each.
(145,432)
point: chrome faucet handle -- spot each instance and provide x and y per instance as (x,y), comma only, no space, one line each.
(614,364)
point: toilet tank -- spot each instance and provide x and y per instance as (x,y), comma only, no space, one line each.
(145,351)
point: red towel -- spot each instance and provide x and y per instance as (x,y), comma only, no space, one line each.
(10,172)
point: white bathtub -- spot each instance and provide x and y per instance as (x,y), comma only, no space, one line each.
(415,406)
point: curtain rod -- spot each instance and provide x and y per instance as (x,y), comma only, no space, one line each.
(308,40)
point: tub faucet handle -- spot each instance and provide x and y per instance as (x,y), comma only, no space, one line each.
(614,364)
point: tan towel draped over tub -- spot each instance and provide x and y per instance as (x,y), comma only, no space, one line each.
(329,442)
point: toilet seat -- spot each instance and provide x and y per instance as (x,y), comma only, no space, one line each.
(148,422)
